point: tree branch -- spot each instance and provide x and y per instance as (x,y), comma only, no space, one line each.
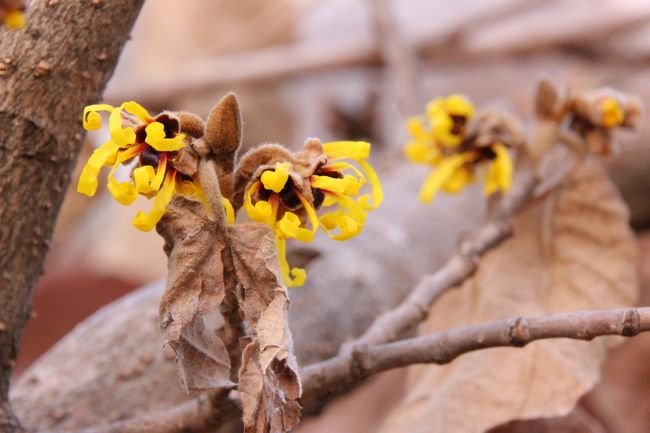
(60,62)
(462,265)
(443,347)
(343,371)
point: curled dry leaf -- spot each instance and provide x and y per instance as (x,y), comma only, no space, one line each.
(571,251)
(224,289)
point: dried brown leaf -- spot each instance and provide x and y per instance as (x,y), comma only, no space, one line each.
(269,384)
(190,314)
(572,251)
(225,289)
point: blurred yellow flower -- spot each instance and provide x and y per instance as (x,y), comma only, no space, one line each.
(440,139)
(612,112)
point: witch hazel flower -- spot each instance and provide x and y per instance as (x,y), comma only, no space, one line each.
(458,143)
(327,186)
(164,163)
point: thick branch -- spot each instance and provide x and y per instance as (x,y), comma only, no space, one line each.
(462,265)
(342,372)
(60,62)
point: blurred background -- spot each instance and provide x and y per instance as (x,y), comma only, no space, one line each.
(352,69)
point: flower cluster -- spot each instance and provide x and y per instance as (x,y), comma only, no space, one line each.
(164,165)
(11,13)
(286,194)
(446,138)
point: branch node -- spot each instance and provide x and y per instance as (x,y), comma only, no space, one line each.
(519,332)
(359,363)
(631,323)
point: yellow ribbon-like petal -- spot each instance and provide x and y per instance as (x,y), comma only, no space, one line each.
(147,221)
(457,182)
(442,130)
(445,170)
(459,105)
(14,20)
(230,211)
(262,211)
(122,136)
(377,190)
(422,153)
(91,118)
(299,274)
(436,108)
(156,138)
(88,179)
(415,127)
(498,175)
(274,180)
(289,227)
(137,110)
(355,150)
(124,192)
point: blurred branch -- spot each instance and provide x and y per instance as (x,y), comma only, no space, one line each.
(462,265)
(399,57)
(477,35)
(60,62)
(321,379)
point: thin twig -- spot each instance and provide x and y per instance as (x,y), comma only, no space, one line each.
(462,265)
(343,371)
(443,347)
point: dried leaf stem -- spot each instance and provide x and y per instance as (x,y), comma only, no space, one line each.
(343,371)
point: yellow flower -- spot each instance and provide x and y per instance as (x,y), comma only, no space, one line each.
(153,143)
(612,112)
(276,200)
(457,171)
(442,128)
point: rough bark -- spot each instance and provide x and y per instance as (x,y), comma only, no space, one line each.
(60,62)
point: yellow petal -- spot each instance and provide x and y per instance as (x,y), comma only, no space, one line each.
(499,173)
(434,182)
(415,127)
(442,130)
(461,178)
(299,274)
(156,138)
(459,105)
(137,110)
(14,20)
(230,211)
(289,227)
(143,176)
(122,136)
(262,211)
(274,180)
(377,190)
(88,179)
(355,150)
(422,153)
(613,113)
(124,192)
(349,228)
(91,118)
(147,221)
(338,185)
(436,108)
